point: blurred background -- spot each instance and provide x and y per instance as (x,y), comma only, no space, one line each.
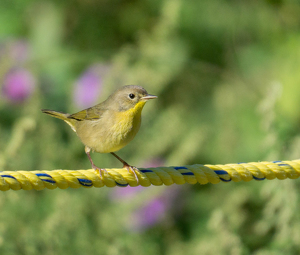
(228,81)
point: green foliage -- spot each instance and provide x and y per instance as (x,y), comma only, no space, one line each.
(226,74)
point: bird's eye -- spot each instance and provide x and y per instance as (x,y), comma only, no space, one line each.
(131,96)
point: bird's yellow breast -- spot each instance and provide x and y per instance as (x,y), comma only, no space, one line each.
(127,125)
(112,131)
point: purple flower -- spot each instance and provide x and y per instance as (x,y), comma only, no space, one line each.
(155,210)
(18,85)
(89,86)
(149,215)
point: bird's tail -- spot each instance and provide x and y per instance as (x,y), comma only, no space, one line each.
(59,115)
(62,116)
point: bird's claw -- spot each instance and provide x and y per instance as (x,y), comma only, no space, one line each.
(100,171)
(133,170)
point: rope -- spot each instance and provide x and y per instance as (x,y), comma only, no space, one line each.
(191,174)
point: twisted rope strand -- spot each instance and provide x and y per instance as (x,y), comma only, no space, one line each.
(191,174)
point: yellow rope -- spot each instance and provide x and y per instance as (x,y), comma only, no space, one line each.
(192,174)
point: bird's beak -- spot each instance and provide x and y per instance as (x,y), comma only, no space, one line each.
(149,97)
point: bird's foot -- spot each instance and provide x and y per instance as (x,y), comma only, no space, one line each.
(100,171)
(133,170)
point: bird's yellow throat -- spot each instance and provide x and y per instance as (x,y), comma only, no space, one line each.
(136,110)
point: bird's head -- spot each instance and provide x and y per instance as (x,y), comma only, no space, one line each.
(130,97)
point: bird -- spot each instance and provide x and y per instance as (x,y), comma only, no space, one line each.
(109,126)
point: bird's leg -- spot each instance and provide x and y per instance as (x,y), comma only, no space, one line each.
(97,169)
(131,169)
(125,164)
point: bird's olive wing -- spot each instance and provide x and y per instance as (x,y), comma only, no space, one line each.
(91,113)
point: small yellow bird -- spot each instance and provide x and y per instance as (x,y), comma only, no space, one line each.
(109,126)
